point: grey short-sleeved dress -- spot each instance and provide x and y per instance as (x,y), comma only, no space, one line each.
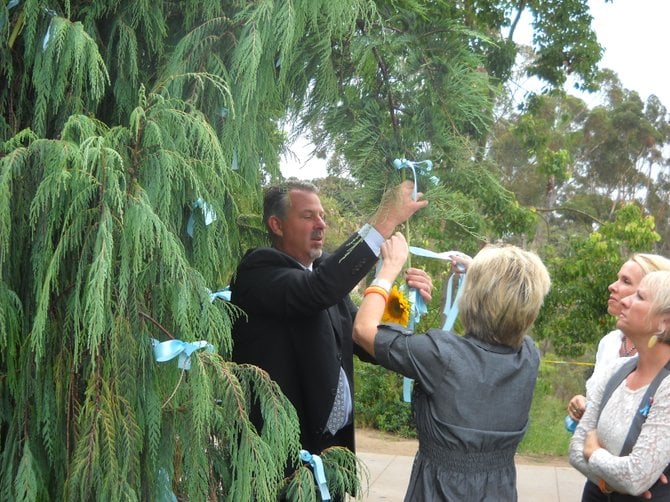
(471,402)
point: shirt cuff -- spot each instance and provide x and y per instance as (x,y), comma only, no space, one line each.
(372,238)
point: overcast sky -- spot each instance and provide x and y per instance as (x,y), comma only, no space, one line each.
(635,35)
(636,38)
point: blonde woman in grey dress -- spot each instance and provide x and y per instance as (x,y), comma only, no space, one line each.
(472,393)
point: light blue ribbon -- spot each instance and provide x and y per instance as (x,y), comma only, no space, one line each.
(208,213)
(451,307)
(570,424)
(234,163)
(407,389)
(166,351)
(319,474)
(164,491)
(413,165)
(419,307)
(222,294)
(644,411)
(445,256)
(47,36)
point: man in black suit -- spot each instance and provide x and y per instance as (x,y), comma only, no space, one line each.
(298,323)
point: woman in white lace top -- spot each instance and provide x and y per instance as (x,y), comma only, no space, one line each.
(615,344)
(597,442)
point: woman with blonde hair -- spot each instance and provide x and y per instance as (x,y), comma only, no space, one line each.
(472,393)
(615,344)
(622,444)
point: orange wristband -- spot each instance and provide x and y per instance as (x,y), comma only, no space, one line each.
(378,290)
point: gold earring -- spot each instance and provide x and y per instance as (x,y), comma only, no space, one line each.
(652,341)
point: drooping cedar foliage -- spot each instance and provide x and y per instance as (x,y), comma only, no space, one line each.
(134,136)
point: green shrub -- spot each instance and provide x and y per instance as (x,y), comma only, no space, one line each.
(556,384)
(379,403)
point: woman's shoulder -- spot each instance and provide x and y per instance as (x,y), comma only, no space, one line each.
(606,372)
(613,336)
(445,337)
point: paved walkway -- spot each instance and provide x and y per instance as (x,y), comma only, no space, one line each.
(389,475)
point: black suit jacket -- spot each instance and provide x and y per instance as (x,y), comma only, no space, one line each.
(299,329)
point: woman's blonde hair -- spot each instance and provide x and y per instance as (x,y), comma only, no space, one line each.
(503,292)
(658,285)
(650,262)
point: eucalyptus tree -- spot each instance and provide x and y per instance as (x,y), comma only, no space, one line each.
(624,147)
(608,202)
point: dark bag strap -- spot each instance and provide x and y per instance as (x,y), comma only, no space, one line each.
(642,412)
(615,380)
(638,420)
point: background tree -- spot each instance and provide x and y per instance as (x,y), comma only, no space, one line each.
(593,175)
(574,316)
(420,81)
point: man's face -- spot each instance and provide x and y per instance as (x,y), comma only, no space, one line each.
(301,234)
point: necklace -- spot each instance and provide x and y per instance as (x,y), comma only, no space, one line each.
(626,351)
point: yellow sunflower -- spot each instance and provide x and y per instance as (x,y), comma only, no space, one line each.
(397,308)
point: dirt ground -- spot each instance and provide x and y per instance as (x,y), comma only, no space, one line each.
(374,441)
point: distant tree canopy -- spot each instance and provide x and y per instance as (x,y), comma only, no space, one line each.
(598,180)
(575,316)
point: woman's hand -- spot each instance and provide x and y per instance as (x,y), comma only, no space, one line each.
(460,263)
(394,253)
(576,407)
(419,279)
(591,443)
(647,495)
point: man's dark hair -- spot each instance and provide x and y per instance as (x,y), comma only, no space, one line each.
(276,200)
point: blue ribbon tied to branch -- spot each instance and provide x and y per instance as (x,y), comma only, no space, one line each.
(316,464)
(168,350)
(413,166)
(222,294)
(208,213)
(418,306)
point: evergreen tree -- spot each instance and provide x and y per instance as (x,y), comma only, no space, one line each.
(127,161)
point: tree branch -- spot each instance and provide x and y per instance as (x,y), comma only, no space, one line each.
(157,324)
(389,96)
(568,209)
(512,27)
